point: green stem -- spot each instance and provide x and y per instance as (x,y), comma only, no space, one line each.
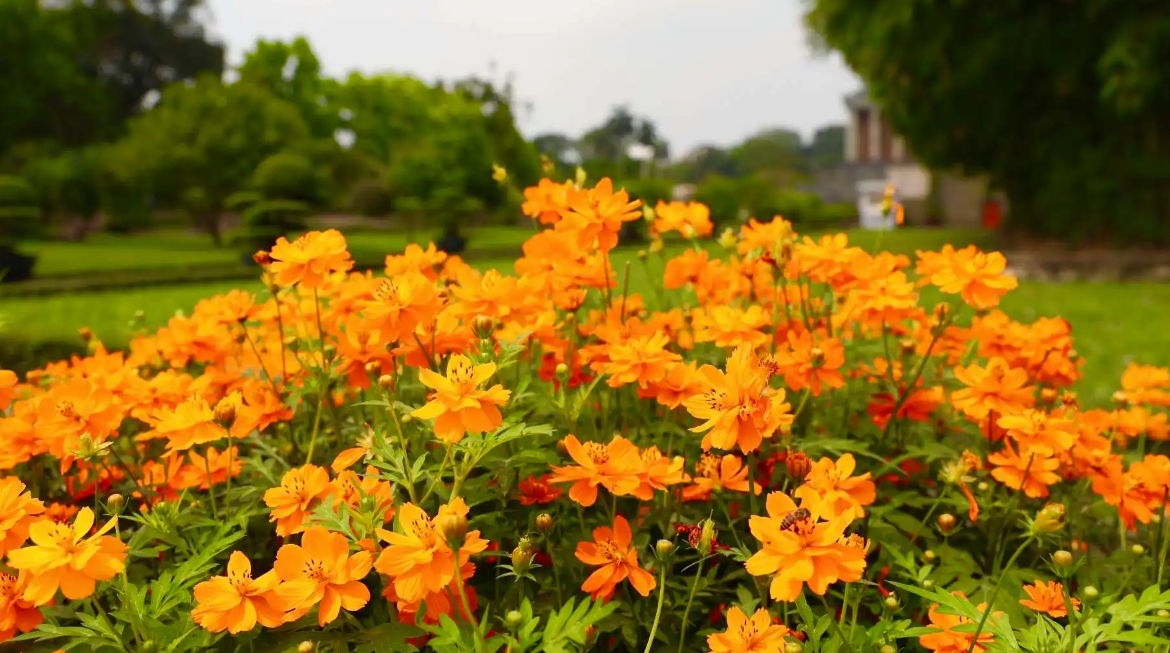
(904,395)
(227,493)
(995,592)
(210,486)
(463,600)
(658,613)
(316,429)
(439,476)
(682,633)
(929,514)
(837,626)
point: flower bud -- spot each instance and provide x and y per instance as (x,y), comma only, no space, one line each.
(664,548)
(562,448)
(306,647)
(1137,549)
(499,173)
(148,646)
(1050,518)
(648,213)
(262,258)
(85,333)
(581,177)
(1119,398)
(642,254)
(1048,395)
(372,367)
(522,557)
(798,465)
(728,238)
(114,503)
(590,631)
(544,523)
(929,555)
(656,244)
(483,327)
(513,620)
(1062,558)
(407,418)
(941,312)
(946,523)
(139,314)
(928,584)
(1090,594)
(706,535)
(908,346)
(888,648)
(982,486)
(225,409)
(1068,399)
(562,372)
(892,602)
(386,382)
(453,527)
(793,647)
(546,165)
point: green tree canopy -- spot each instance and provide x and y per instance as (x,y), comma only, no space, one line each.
(1065,106)
(292,72)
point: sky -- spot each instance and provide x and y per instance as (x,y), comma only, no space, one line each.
(705,71)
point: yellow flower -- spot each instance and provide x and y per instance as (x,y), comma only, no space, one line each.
(457,404)
(62,556)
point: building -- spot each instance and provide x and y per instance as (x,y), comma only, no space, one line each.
(876,156)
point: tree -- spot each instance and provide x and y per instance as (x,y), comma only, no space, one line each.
(827,148)
(1064,106)
(203,141)
(775,154)
(508,147)
(292,72)
(702,162)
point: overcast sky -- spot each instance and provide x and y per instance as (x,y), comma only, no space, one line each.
(706,71)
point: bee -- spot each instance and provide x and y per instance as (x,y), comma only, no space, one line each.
(791,518)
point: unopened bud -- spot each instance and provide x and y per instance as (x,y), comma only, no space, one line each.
(1090,594)
(85,333)
(706,535)
(115,502)
(892,602)
(929,555)
(664,548)
(941,312)
(306,647)
(483,327)
(928,584)
(642,254)
(581,177)
(562,448)
(946,523)
(148,646)
(908,346)
(546,164)
(522,558)
(728,238)
(1119,398)
(386,382)
(373,366)
(453,527)
(1050,518)
(262,258)
(499,174)
(1048,395)
(1137,549)
(1062,558)
(407,418)
(562,372)
(139,314)
(888,648)
(793,647)
(798,465)
(225,409)
(513,620)
(273,288)
(544,523)
(656,244)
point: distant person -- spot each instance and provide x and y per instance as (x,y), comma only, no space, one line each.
(452,242)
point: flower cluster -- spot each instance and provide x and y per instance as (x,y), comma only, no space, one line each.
(454,454)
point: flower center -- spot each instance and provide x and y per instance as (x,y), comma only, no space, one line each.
(460,370)
(240,580)
(610,551)
(66,409)
(597,452)
(708,466)
(315,570)
(747,631)
(423,528)
(715,398)
(385,290)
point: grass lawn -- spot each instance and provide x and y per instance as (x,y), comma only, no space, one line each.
(1113,323)
(183,248)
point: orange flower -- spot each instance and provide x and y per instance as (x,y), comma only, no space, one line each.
(73,409)
(685,268)
(728,326)
(642,360)
(457,404)
(190,423)
(298,492)
(680,383)
(426,261)
(546,200)
(399,305)
(237,602)
(350,489)
(321,571)
(743,635)
(310,259)
(1048,598)
(714,474)
(739,406)
(63,557)
(833,486)
(765,236)
(918,406)
(658,473)
(260,408)
(997,387)
(18,511)
(350,457)
(16,612)
(803,549)
(690,219)
(617,560)
(8,381)
(1038,432)
(951,641)
(808,364)
(1010,469)
(418,560)
(975,276)
(614,466)
(596,214)
(203,472)
(535,491)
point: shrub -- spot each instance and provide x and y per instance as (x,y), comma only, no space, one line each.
(474,461)
(20,212)
(288,176)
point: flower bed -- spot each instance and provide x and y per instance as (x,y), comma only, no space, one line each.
(781,449)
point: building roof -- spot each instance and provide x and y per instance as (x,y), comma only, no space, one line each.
(859,100)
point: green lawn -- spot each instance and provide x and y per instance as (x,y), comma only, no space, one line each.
(1113,323)
(182,248)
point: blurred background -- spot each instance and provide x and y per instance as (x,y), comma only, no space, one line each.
(148,147)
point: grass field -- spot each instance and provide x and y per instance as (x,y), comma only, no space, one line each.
(1113,323)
